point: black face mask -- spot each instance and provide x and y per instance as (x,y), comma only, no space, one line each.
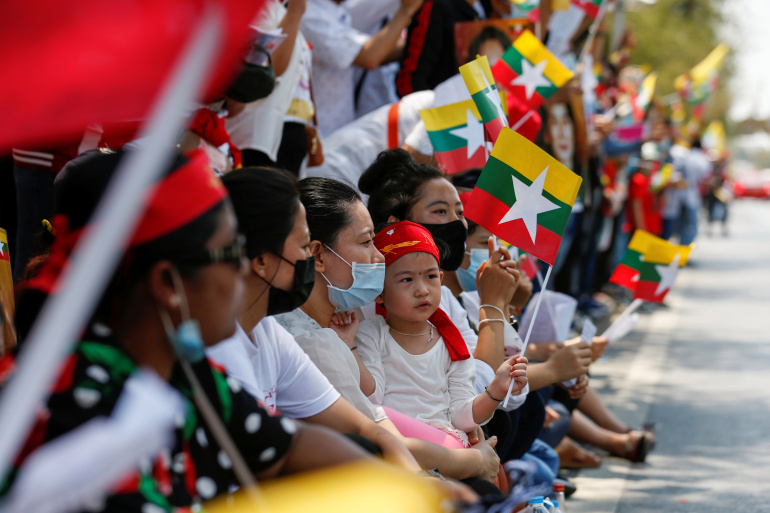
(450,239)
(281,301)
(254,82)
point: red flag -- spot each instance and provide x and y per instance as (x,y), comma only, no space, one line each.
(68,64)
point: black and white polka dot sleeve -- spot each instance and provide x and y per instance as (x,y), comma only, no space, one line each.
(263,440)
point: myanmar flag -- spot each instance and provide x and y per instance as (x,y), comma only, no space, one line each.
(481,84)
(524,196)
(642,100)
(591,7)
(529,71)
(626,274)
(659,270)
(457,135)
(697,84)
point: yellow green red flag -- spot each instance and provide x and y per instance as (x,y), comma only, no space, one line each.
(529,71)
(524,196)
(696,85)
(481,84)
(457,135)
(659,269)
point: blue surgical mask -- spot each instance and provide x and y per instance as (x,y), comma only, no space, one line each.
(467,277)
(368,281)
(186,338)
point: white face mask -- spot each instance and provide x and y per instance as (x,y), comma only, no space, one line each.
(368,282)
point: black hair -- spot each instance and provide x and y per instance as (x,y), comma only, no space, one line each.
(487,34)
(77,191)
(697,143)
(393,182)
(266,201)
(327,206)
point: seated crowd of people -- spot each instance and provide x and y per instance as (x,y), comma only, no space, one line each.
(325,293)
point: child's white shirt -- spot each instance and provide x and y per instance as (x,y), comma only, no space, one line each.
(429,387)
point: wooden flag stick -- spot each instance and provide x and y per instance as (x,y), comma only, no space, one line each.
(529,329)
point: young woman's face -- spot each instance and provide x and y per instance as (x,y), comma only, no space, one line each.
(412,289)
(280,273)
(492,49)
(215,293)
(561,130)
(478,239)
(354,243)
(439,203)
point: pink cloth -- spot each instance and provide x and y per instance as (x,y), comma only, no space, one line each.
(413,428)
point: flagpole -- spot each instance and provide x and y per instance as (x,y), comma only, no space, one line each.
(94,259)
(529,329)
(521,121)
(547,302)
(634,306)
(592,31)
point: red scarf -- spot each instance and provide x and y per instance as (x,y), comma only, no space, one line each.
(405,237)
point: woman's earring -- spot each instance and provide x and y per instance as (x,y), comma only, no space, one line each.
(262,271)
(174,300)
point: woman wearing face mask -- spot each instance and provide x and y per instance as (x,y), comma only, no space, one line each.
(178,288)
(263,355)
(348,275)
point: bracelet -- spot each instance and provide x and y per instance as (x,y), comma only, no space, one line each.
(354,348)
(493,306)
(491,396)
(490,320)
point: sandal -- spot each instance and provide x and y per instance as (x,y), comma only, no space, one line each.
(638,445)
(573,456)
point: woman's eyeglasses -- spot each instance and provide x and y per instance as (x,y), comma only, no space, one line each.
(234,254)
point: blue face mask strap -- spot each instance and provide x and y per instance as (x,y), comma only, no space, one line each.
(338,256)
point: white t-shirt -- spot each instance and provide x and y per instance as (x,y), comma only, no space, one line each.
(429,387)
(336,44)
(275,370)
(332,357)
(352,148)
(484,373)
(260,125)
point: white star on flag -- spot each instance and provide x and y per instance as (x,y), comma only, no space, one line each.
(532,77)
(2,253)
(472,132)
(494,96)
(529,203)
(667,275)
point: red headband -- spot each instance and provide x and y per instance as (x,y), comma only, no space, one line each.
(402,238)
(405,237)
(183,196)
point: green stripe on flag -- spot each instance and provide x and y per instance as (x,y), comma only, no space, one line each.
(487,109)
(647,272)
(443,140)
(632,259)
(496,180)
(513,58)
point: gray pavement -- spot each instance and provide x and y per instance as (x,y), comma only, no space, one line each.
(701,369)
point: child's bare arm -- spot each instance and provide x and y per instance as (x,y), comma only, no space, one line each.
(345,324)
(514,368)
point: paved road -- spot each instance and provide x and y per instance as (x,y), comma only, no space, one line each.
(700,368)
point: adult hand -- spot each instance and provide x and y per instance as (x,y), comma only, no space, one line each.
(579,389)
(490,461)
(598,346)
(571,361)
(524,289)
(497,278)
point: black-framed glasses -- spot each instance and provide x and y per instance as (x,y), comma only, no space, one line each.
(234,254)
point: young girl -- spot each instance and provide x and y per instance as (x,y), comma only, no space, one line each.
(419,362)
